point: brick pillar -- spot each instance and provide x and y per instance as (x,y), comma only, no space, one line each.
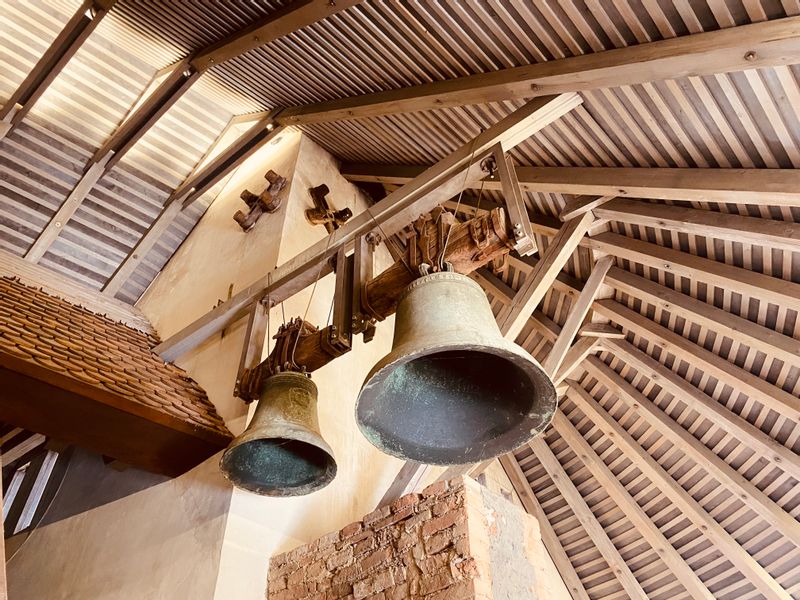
(454,541)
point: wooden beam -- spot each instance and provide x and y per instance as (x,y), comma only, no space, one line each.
(390,215)
(581,204)
(682,500)
(763,187)
(192,189)
(65,212)
(587,519)
(682,264)
(76,31)
(408,479)
(637,516)
(600,330)
(574,357)
(769,448)
(577,314)
(513,317)
(753,497)
(549,536)
(707,315)
(770,43)
(742,381)
(295,15)
(777,235)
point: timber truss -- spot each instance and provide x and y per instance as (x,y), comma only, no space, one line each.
(657,282)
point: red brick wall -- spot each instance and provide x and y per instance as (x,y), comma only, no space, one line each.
(436,545)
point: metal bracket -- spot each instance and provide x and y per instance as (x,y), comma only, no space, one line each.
(363,267)
(524,240)
(341,329)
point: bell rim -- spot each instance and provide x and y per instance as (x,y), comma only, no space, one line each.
(282,492)
(505,349)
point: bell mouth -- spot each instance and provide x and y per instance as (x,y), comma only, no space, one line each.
(455,405)
(278,467)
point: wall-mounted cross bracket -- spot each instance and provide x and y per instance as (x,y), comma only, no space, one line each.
(267,201)
(323,213)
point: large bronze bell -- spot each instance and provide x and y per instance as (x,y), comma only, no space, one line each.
(452,390)
(281,453)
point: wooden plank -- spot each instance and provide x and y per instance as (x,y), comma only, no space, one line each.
(68,289)
(76,31)
(549,537)
(600,330)
(405,482)
(778,235)
(733,326)
(740,380)
(390,215)
(763,187)
(620,496)
(581,204)
(748,493)
(770,449)
(768,44)
(574,357)
(577,314)
(587,519)
(513,317)
(292,17)
(681,264)
(682,500)
(65,212)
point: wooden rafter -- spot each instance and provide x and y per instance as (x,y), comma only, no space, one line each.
(584,514)
(758,576)
(764,187)
(195,186)
(769,448)
(739,379)
(576,316)
(391,214)
(757,500)
(769,43)
(182,76)
(623,499)
(549,536)
(513,317)
(76,31)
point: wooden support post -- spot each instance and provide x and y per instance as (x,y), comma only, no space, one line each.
(753,497)
(513,317)
(600,330)
(515,204)
(254,338)
(406,481)
(549,536)
(620,496)
(682,500)
(574,357)
(576,316)
(584,514)
(391,214)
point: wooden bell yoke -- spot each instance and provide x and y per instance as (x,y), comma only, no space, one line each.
(361,300)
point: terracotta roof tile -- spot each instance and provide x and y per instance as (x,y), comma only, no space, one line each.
(52,333)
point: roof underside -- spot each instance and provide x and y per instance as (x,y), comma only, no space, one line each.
(736,349)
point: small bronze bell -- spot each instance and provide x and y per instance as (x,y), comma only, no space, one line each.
(452,390)
(281,453)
